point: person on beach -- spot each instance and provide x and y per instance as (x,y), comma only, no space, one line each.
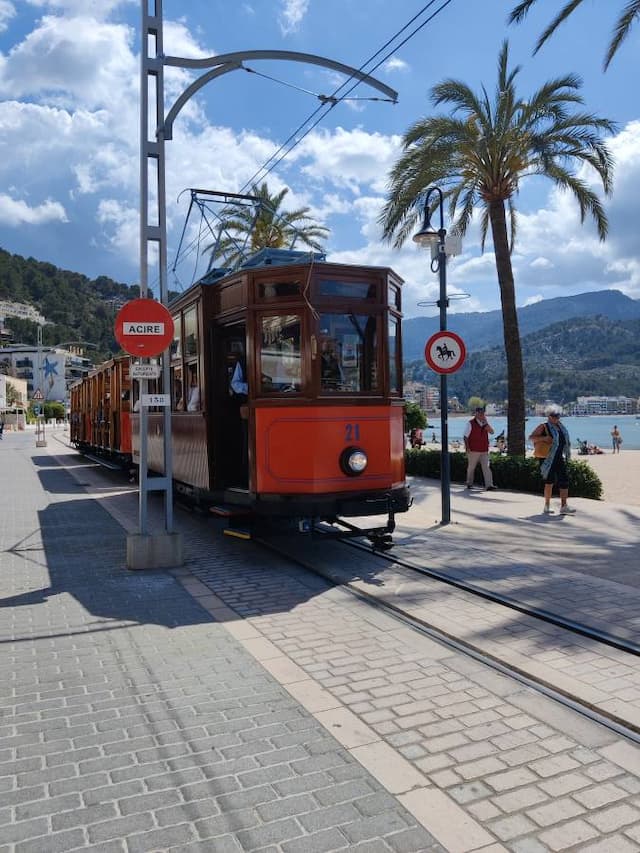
(551,444)
(616,439)
(476,444)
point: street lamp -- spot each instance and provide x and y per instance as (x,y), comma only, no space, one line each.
(428,236)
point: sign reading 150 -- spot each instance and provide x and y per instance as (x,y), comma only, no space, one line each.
(352,432)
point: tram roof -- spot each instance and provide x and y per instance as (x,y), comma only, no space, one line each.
(265,258)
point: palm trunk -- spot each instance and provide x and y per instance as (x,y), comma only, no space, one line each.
(512,347)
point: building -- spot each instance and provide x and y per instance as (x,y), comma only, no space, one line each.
(604,406)
(20,310)
(426,396)
(49,370)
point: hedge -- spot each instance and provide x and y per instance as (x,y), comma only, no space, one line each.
(509,472)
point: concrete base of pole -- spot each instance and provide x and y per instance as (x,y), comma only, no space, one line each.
(41,443)
(158,551)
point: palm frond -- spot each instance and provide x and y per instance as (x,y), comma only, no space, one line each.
(562,16)
(621,30)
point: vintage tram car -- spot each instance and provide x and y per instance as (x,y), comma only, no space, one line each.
(286,391)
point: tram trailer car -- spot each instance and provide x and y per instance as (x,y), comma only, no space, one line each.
(100,412)
(317,430)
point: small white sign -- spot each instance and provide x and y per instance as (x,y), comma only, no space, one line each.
(37,395)
(147,400)
(141,328)
(145,371)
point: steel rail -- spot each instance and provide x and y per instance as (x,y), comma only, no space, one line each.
(609,721)
(540,613)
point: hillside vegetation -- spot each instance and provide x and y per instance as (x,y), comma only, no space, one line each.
(77,307)
(577,357)
(483,330)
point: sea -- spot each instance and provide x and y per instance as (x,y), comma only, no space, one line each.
(594,429)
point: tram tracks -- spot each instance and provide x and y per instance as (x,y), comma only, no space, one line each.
(565,695)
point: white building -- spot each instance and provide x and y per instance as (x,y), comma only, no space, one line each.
(22,311)
(604,406)
(49,370)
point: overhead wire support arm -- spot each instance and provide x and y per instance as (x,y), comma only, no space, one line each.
(225,62)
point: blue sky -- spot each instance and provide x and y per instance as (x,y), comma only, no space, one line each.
(69,164)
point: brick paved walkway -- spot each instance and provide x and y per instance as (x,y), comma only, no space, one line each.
(131,721)
(391,724)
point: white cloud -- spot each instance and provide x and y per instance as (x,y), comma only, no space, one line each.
(395,64)
(537,297)
(7,12)
(291,15)
(541,263)
(15,212)
(349,158)
(58,60)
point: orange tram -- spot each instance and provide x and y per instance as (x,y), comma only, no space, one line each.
(286,395)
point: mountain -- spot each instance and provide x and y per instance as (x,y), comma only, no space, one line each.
(578,357)
(76,308)
(483,330)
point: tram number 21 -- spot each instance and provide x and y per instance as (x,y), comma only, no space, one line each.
(352,432)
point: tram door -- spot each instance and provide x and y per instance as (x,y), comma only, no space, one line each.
(230,409)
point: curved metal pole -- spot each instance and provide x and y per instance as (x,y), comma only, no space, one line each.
(225,62)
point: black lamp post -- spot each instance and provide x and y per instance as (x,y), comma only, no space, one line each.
(427,236)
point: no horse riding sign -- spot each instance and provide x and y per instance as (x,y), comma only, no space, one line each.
(445,352)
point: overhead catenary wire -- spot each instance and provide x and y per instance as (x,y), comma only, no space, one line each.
(328,102)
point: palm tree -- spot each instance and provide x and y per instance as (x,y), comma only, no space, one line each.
(478,155)
(244,230)
(621,30)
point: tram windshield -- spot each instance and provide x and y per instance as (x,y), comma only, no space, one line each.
(347,346)
(280,361)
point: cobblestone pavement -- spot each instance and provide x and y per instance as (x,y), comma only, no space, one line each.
(131,721)
(484,763)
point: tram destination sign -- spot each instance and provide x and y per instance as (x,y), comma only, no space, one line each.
(144,327)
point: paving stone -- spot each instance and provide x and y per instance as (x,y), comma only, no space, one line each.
(568,835)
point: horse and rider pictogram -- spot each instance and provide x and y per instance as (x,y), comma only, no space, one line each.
(445,352)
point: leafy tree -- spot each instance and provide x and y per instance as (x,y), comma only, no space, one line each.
(13,396)
(478,155)
(267,227)
(630,12)
(414,417)
(474,402)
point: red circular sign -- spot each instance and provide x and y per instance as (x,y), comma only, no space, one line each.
(445,352)
(144,327)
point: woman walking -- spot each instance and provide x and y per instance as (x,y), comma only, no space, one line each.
(551,444)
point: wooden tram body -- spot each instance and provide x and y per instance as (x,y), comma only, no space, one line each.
(319,433)
(101,411)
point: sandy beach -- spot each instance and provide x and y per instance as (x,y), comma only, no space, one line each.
(619,473)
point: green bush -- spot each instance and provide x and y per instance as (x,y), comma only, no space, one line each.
(509,472)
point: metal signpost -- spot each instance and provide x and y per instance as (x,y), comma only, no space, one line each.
(449,343)
(144,328)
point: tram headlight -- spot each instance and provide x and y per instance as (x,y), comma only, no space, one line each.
(353,461)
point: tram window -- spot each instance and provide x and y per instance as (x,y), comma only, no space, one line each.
(347,289)
(190,332)
(278,289)
(176,343)
(394,372)
(280,360)
(394,297)
(177,389)
(193,389)
(348,346)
